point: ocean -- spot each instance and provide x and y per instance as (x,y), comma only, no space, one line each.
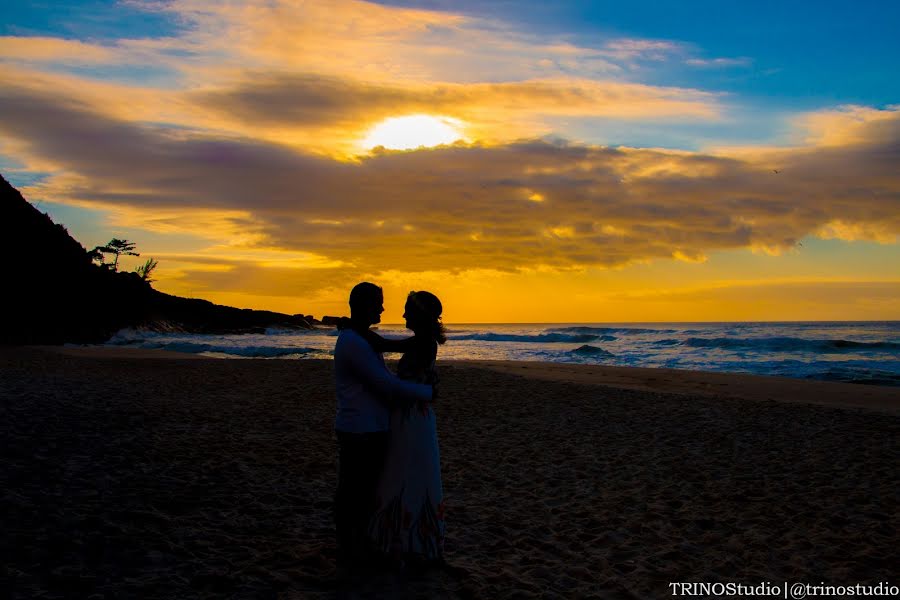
(857,352)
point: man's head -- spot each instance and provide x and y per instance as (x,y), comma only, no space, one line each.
(366,303)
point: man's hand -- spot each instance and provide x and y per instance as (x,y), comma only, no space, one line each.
(433,380)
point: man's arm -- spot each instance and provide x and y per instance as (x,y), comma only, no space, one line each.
(392,390)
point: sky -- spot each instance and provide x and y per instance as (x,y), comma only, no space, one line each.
(571,161)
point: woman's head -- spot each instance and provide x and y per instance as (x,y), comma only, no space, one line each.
(423,315)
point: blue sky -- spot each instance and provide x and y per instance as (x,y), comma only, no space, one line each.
(82,19)
(802,54)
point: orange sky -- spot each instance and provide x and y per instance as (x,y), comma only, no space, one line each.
(237,152)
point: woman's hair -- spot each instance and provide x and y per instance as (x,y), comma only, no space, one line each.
(430,309)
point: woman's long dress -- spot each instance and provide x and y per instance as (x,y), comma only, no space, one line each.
(409,514)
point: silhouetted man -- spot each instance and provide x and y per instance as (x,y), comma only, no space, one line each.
(366,390)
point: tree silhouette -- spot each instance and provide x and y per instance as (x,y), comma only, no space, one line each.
(146,269)
(117,247)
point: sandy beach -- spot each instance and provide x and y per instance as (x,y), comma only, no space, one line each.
(159,475)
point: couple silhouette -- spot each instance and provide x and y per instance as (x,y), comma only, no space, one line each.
(389,508)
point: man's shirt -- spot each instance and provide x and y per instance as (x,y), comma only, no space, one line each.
(365,388)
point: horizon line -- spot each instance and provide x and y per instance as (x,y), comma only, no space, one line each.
(649,322)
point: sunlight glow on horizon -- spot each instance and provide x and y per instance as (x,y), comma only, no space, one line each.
(414,131)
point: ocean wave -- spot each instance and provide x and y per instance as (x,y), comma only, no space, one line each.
(245,351)
(541,338)
(858,375)
(131,335)
(321,331)
(785,344)
(284,331)
(602,330)
(588,350)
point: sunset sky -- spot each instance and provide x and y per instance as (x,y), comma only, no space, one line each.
(569,161)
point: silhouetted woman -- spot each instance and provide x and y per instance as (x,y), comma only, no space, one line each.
(409,520)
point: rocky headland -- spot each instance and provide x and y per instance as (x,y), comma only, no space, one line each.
(55,293)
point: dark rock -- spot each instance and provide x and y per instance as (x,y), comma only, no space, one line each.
(55,294)
(326,320)
(309,319)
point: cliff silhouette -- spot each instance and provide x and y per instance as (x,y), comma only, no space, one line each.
(55,294)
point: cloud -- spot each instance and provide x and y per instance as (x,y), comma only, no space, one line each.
(849,125)
(49,49)
(316,75)
(165,56)
(458,207)
(350,37)
(630,50)
(334,113)
(742,61)
(309,99)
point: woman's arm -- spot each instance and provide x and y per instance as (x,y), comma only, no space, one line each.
(381,344)
(378,343)
(359,357)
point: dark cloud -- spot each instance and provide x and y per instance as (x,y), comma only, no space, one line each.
(292,99)
(308,99)
(503,207)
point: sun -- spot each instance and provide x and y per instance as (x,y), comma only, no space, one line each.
(414,131)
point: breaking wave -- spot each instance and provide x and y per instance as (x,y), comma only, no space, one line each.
(587,350)
(783,344)
(607,330)
(542,338)
(245,351)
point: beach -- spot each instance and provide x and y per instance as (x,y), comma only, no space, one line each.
(139,473)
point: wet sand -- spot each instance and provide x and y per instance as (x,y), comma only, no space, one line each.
(155,476)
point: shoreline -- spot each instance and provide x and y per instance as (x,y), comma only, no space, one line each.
(714,384)
(743,386)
